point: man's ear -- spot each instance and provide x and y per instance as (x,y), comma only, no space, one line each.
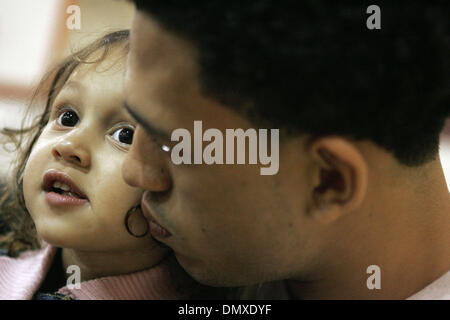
(339,178)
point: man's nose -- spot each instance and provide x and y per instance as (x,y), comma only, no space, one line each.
(72,150)
(144,166)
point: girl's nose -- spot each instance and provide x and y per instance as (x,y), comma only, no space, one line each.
(75,154)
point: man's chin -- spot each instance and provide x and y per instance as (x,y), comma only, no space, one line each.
(209,275)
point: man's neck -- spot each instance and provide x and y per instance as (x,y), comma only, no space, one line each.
(404,232)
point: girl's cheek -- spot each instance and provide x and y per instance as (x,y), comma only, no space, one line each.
(116,188)
(40,156)
(36,155)
(31,181)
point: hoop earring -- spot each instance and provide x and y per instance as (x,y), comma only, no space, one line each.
(127,217)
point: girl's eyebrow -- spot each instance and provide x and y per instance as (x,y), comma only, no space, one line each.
(74,85)
(72,89)
(76,91)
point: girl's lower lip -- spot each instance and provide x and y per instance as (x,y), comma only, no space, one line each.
(57,199)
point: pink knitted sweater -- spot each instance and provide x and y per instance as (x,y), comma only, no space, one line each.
(21,278)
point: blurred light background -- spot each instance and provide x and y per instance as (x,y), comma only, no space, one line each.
(33,36)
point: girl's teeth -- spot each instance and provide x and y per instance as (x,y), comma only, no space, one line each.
(61,185)
(65,187)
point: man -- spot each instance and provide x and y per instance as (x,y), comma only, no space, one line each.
(359,207)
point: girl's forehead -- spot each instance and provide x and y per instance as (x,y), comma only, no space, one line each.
(87,82)
(99,84)
(95,95)
(110,66)
(107,72)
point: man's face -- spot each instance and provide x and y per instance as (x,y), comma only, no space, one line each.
(229,225)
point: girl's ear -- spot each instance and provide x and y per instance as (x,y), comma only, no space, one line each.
(340,175)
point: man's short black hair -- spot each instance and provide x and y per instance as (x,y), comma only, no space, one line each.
(313,66)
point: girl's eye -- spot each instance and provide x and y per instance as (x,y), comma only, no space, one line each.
(68,119)
(123,135)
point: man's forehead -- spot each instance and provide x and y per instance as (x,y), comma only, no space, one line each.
(161,69)
(162,82)
(151,44)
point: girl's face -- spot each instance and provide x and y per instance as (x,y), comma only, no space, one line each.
(73,185)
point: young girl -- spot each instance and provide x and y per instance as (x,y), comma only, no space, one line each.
(69,194)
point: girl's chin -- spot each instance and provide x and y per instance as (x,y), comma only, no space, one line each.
(55,239)
(84,242)
(63,238)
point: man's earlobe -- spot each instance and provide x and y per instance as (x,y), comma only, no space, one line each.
(339,178)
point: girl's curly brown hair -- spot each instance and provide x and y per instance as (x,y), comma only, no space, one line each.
(21,232)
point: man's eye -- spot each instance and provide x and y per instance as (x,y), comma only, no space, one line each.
(123,135)
(68,119)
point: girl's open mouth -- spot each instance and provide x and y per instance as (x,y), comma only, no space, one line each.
(60,190)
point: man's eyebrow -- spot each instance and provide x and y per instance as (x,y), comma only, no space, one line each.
(150,129)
